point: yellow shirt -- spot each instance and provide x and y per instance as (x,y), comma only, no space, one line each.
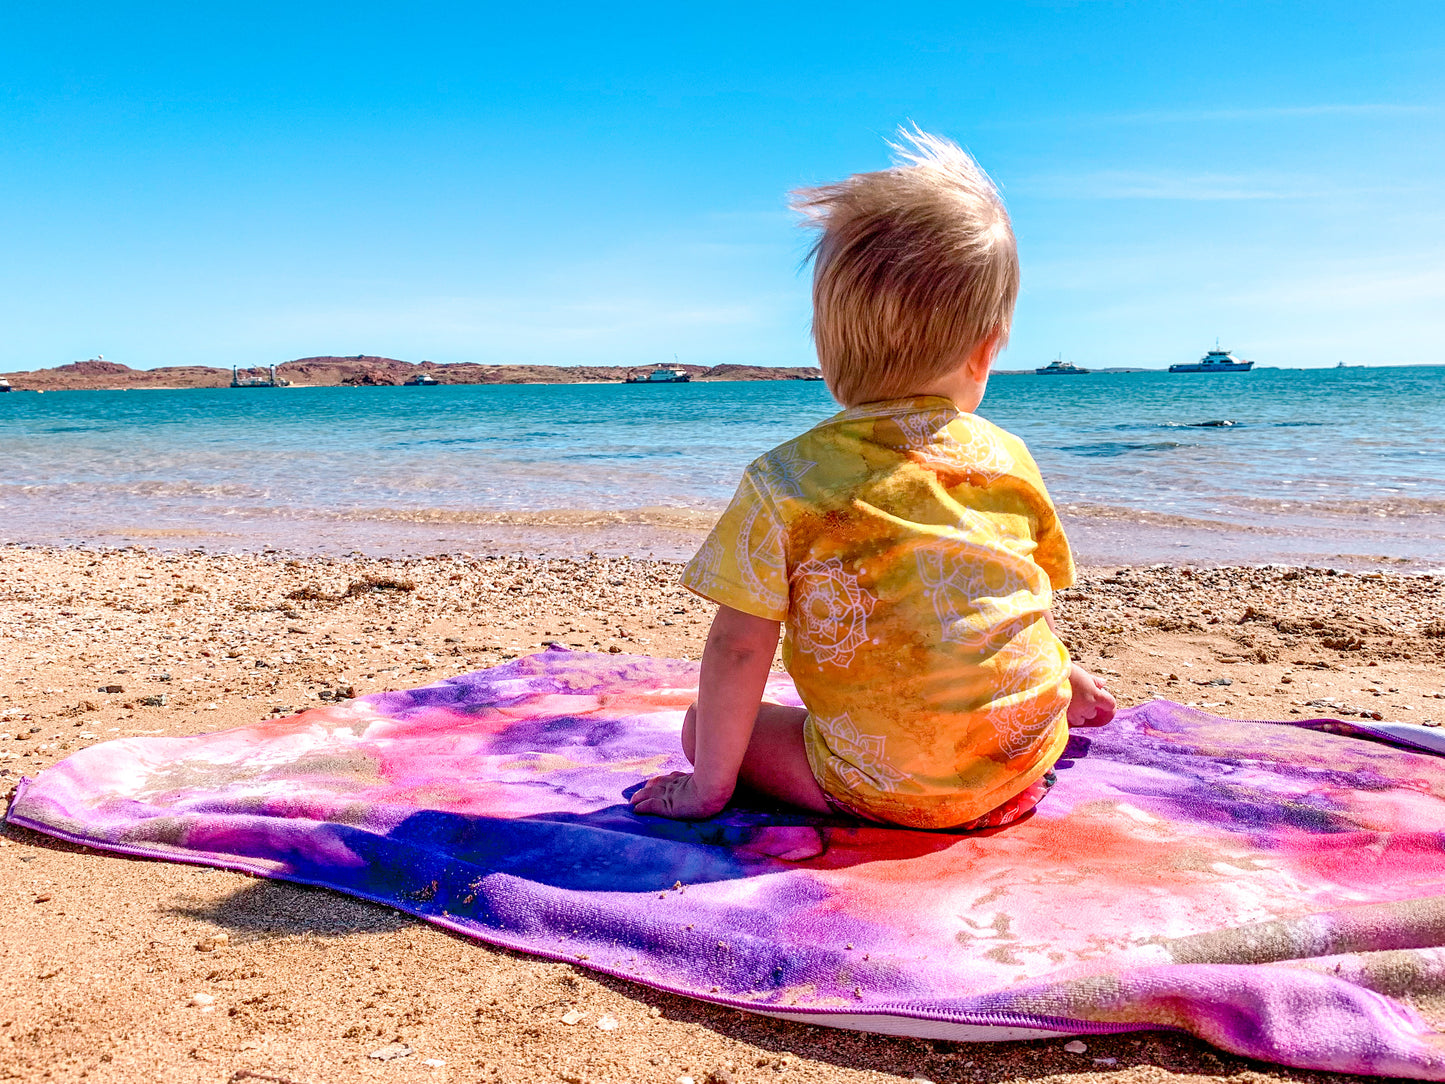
(911,550)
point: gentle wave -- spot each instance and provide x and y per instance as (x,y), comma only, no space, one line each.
(1215,423)
(1121,514)
(143,488)
(1115,447)
(1375,507)
(687,519)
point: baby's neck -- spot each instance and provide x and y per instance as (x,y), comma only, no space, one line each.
(958,387)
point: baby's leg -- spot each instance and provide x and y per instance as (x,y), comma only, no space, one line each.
(1091,704)
(776,763)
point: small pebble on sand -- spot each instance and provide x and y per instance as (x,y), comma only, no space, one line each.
(1075,1047)
(391,1051)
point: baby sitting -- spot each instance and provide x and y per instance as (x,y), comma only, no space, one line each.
(908,545)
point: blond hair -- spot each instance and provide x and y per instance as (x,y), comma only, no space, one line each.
(914,267)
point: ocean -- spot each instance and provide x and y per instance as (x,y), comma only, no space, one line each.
(1339,467)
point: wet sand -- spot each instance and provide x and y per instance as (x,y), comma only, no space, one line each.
(106,963)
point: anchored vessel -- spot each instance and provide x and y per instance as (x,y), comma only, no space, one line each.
(1216,361)
(663,375)
(5,385)
(268,379)
(1061,368)
(421,380)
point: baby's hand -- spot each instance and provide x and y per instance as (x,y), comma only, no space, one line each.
(1091,704)
(677,795)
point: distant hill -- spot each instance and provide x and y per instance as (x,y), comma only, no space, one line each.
(365,370)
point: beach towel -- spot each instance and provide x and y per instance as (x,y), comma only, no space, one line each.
(1277,889)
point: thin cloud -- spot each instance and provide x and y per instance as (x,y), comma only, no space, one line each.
(1353,288)
(1126,184)
(1267,112)
(1242,115)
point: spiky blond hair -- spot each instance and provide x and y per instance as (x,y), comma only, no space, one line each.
(914,266)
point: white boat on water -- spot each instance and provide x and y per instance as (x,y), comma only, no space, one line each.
(663,375)
(267,378)
(5,385)
(422,380)
(1061,367)
(1216,361)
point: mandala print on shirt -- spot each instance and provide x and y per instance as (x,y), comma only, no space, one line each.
(782,471)
(829,611)
(767,556)
(863,765)
(1019,716)
(955,584)
(929,439)
(706,565)
(980,452)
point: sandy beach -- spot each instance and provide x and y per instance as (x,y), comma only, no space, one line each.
(115,969)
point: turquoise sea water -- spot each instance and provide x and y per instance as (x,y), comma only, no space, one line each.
(1343,466)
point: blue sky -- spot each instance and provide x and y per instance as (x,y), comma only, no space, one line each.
(219,184)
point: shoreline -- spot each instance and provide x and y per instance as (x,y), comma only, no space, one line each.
(100,955)
(1100,537)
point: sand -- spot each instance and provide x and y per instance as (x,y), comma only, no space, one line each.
(117,969)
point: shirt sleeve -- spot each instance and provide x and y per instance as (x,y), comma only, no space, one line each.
(1053,554)
(743,563)
(1051,546)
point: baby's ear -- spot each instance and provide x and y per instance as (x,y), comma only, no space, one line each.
(981,357)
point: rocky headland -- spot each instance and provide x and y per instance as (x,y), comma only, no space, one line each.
(363,370)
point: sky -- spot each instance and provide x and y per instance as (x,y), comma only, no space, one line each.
(228,184)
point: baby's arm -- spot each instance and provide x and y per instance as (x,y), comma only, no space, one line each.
(735,665)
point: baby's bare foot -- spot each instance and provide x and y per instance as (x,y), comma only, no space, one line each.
(1092,704)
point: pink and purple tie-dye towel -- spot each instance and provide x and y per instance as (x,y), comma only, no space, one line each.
(1275,889)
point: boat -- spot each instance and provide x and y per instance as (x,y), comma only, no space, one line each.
(267,379)
(421,380)
(1060,367)
(665,374)
(1216,361)
(5,385)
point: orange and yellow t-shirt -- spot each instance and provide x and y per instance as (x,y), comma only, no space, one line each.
(911,550)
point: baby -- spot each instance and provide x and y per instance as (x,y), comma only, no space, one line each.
(908,545)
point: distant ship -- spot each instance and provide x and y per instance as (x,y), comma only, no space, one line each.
(663,375)
(1061,368)
(421,380)
(268,379)
(5,385)
(1216,361)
